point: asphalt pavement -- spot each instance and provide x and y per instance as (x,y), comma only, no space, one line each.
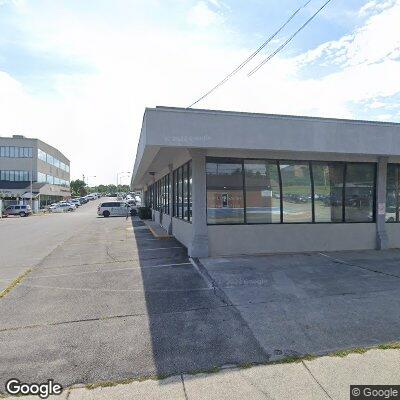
(105,301)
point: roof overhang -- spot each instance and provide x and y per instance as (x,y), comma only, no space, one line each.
(209,129)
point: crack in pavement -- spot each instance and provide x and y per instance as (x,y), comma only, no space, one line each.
(344,262)
(110,317)
(316,380)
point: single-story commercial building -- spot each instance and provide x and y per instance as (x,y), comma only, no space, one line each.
(230,183)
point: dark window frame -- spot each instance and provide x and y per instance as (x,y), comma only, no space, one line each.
(178,189)
(309,163)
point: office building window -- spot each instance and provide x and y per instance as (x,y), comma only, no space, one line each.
(360,192)
(47,158)
(15,152)
(41,155)
(225,200)
(328,191)
(41,178)
(392,193)
(15,176)
(296,191)
(180,184)
(262,191)
(157,195)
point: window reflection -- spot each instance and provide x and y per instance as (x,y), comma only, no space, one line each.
(328,191)
(296,192)
(359,193)
(392,190)
(262,191)
(225,193)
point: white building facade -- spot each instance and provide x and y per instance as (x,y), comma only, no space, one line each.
(229,183)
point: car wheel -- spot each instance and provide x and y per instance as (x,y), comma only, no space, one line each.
(106,214)
(22,214)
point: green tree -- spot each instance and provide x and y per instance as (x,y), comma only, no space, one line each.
(78,188)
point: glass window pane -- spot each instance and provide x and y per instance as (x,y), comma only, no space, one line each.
(7,151)
(296,192)
(392,192)
(328,191)
(360,192)
(190,191)
(224,192)
(185,192)
(262,192)
(12,151)
(179,210)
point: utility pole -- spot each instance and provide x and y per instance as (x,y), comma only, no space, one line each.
(31,182)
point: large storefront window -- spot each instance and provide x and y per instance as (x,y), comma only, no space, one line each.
(392,193)
(182,192)
(360,192)
(157,195)
(225,204)
(266,191)
(296,192)
(328,191)
(262,192)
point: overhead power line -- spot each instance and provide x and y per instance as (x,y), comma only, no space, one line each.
(248,59)
(254,70)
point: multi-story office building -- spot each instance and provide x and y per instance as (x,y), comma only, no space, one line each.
(32,166)
(227,183)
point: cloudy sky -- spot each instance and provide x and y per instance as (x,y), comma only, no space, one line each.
(78,74)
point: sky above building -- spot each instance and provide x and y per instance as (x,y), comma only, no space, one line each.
(79,74)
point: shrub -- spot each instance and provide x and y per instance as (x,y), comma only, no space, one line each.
(144,212)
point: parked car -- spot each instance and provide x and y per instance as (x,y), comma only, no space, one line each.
(83,200)
(113,209)
(62,207)
(90,196)
(21,210)
(75,201)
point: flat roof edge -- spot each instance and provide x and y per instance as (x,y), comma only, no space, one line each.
(270,116)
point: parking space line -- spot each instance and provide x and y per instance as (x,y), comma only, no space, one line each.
(116,290)
(109,270)
(163,248)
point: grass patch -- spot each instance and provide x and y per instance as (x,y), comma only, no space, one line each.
(344,353)
(389,346)
(14,283)
(216,369)
(104,384)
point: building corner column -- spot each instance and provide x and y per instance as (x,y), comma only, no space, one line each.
(170,199)
(199,244)
(382,240)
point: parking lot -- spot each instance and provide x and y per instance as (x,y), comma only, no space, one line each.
(107,301)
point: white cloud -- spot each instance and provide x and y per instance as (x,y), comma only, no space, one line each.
(95,117)
(375,6)
(202,16)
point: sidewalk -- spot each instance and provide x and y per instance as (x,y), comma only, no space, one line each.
(323,378)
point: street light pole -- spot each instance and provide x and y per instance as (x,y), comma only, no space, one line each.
(31,181)
(118,174)
(87,179)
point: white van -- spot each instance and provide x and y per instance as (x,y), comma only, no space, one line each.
(113,209)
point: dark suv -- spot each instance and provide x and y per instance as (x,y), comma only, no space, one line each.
(21,210)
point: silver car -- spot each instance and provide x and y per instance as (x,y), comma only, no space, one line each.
(21,210)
